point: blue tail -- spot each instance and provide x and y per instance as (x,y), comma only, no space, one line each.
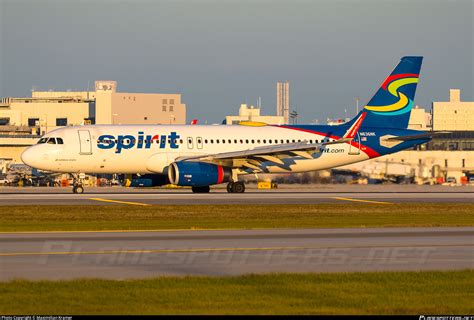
(390,107)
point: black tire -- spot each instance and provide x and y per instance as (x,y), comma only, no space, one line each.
(238,187)
(78,189)
(230,187)
(204,189)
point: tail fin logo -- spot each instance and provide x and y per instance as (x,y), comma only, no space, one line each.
(393,85)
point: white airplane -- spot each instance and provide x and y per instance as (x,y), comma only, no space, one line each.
(201,155)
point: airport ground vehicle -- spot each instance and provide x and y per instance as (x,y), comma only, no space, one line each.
(200,156)
(450,180)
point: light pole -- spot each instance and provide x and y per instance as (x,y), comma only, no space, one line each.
(357,104)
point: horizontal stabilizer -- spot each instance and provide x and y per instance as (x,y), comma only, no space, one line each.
(418,136)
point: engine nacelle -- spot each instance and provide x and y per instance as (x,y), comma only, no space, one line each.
(146,180)
(198,174)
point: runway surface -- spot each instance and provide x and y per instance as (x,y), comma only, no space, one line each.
(301,194)
(123,255)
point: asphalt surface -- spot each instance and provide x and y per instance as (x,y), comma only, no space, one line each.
(296,194)
(140,254)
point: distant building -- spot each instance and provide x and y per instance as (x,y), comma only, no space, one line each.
(24,120)
(453,115)
(337,122)
(419,119)
(252,114)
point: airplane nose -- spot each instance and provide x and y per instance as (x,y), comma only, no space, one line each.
(28,157)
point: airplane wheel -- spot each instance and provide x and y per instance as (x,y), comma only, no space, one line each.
(78,189)
(204,189)
(238,187)
(229,187)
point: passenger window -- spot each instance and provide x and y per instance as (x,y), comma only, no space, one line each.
(60,140)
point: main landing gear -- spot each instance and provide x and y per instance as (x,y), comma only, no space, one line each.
(204,189)
(236,187)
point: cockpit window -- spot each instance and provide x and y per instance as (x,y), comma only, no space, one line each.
(51,141)
(60,140)
(42,140)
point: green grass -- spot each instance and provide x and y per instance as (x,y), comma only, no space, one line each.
(115,217)
(347,293)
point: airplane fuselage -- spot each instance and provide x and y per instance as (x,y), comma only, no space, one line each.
(145,149)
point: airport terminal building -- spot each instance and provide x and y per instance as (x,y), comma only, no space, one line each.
(24,120)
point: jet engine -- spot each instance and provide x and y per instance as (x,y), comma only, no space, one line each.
(197,174)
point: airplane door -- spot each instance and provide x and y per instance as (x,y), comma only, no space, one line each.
(199,142)
(190,143)
(354,148)
(85,142)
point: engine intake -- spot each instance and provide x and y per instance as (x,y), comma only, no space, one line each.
(197,174)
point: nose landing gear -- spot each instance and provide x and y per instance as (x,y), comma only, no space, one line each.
(78,189)
(77,186)
(236,187)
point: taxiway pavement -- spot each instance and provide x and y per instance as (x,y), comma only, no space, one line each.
(141,254)
(296,194)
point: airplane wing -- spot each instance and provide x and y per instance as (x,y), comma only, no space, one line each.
(252,158)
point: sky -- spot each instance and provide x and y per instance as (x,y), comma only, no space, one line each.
(219,54)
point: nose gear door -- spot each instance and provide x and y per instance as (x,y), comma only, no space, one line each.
(85,142)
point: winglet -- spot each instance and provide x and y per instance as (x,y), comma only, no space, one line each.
(352,131)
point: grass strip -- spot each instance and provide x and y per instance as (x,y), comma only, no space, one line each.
(437,292)
(123,217)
